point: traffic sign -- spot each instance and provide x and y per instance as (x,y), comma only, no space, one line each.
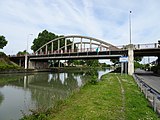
(123,59)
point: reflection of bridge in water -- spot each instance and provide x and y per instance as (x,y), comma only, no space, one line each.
(81,47)
(49,88)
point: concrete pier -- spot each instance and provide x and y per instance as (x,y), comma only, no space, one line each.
(26,62)
(130,59)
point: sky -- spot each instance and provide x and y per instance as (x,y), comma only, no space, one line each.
(107,20)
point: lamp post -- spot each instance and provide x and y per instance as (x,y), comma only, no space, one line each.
(26,58)
(130,50)
(27,41)
(130,27)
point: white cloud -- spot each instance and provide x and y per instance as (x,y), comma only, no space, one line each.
(103,19)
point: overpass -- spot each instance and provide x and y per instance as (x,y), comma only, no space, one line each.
(82,47)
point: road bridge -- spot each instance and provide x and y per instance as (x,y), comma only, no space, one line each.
(82,47)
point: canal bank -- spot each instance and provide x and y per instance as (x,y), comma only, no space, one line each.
(39,90)
(55,69)
(115,97)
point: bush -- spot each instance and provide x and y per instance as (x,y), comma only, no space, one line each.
(2,54)
(93,80)
(155,69)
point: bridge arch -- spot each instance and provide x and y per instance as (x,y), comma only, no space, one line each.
(78,44)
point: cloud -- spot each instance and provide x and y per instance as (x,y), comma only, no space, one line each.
(103,19)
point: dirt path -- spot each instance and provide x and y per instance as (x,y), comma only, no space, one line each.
(123,95)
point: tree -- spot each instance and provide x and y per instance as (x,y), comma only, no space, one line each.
(42,38)
(3,42)
(138,59)
(92,63)
(22,53)
(115,61)
(45,37)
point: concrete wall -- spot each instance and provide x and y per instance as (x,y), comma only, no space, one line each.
(38,65)
(130,59)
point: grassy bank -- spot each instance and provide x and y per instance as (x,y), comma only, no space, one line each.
(116,97)
(6,64)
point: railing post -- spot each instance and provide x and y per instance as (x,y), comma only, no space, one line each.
(52,48)
(100,46)
(81,44)
(41,51)
(73,45)
(141,85)
(46,50)
(90,45)
(146,92)
(154,102)
(65,48)
(58,45)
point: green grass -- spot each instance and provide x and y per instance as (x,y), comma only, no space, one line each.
(116,97)
(6,64)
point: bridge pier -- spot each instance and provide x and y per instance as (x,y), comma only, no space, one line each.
(130,59)
(31,64)
(38,64)
(26,62)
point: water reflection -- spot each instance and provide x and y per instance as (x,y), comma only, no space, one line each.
(32,91)
(1,98)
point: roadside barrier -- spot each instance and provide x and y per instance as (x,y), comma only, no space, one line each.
(151,94)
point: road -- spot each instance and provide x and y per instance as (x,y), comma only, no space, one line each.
(149,78)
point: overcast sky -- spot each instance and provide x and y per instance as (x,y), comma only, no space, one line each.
(107,20)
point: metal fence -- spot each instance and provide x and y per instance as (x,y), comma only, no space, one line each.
(151,94)
(141,46)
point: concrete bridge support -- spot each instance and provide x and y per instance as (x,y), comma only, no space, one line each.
(26,62)
(31,65)
(20,62)
(38,65)
(130,59)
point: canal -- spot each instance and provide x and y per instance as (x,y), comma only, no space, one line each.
(39,90)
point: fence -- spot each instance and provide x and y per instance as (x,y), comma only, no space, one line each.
(141,46)
(151,94)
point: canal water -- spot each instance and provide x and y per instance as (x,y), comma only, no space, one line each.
(39,90)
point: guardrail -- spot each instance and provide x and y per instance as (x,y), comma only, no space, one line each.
(151,94)
(141,46)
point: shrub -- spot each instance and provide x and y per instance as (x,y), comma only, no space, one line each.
(155,69)
(93,80)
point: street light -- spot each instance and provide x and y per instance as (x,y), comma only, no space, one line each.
(26,58)
(27,42)
(130,26)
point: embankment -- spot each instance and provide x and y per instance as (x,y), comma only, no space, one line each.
(115,97)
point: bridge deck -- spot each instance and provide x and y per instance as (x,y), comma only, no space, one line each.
(91,55)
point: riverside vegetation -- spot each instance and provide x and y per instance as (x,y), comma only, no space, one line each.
(6,64)
(115,97)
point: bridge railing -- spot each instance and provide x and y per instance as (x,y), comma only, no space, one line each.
(71,51)
(151,94)
(146,46)
(140,46)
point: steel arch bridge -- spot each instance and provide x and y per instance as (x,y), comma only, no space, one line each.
(78,44)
